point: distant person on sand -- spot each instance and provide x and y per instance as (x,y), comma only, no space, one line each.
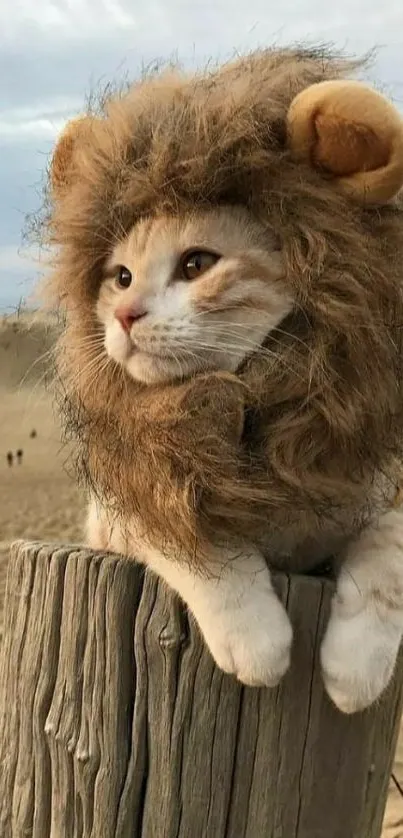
(19,456)
(33,434)
(9,458)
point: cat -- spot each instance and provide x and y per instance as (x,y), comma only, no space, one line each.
(184,296)
(228,253)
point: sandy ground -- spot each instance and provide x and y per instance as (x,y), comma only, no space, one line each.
(38,499)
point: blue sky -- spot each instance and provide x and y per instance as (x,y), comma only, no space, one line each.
(53,51)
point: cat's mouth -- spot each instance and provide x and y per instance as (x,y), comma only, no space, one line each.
(153,365)
(135,350)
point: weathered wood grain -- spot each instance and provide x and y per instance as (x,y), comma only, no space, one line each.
(115,722)
(393,821)
(4,556)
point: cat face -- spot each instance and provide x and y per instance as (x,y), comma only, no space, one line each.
(181,296)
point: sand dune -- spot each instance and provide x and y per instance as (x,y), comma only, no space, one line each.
(38,499)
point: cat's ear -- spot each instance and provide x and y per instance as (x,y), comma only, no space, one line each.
(351,132)
(63,166)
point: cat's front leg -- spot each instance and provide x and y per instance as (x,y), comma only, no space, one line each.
(230,595)
(239,614)
(361,644)
(97,529)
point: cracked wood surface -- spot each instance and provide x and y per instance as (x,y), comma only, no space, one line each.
(115,722)
(393,822)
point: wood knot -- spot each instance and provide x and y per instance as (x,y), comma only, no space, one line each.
(169,639)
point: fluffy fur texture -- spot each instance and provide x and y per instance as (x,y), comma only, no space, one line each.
(291,448)
(352,132)
(295,439)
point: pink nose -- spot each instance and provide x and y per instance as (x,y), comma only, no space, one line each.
(128,316)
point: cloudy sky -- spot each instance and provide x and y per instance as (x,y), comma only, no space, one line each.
(53,51)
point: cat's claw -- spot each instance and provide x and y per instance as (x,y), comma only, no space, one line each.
(358,656)
(253,643)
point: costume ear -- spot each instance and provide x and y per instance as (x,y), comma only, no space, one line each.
(350,131)
(74,135)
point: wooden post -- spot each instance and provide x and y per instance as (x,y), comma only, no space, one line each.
(115,722)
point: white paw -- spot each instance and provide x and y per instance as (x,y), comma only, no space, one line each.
(251,641)
(358,656)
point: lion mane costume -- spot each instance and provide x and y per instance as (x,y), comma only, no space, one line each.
(299,442)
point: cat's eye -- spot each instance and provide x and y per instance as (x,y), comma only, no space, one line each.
(194,263)
(123,277)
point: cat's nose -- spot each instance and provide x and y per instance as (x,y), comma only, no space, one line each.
(129,315)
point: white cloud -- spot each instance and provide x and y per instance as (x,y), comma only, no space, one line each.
(37,121)
(64,19)
(203,25)
(58,106)
(33,128)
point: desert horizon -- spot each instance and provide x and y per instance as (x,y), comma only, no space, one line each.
(39,499)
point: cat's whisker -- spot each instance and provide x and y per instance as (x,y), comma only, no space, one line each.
(178,362)
(111,241)
(90,348)
(242,342)
(89,367)
(41,358)
(122,230)
(99,331)
(187,353)
(38,384)
(201,314)
(270,333)
(97,334)
(235,350)
(89,345)
(226,331)
(37,389)
(236,307)
(234,353)
(113,237)
(96,346)
(97,372)
(246,345)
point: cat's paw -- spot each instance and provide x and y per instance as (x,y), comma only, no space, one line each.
(358,656)
(253,642)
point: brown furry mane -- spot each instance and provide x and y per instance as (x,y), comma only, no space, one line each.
(295,440)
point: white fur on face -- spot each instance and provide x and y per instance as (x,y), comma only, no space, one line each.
(212,322)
